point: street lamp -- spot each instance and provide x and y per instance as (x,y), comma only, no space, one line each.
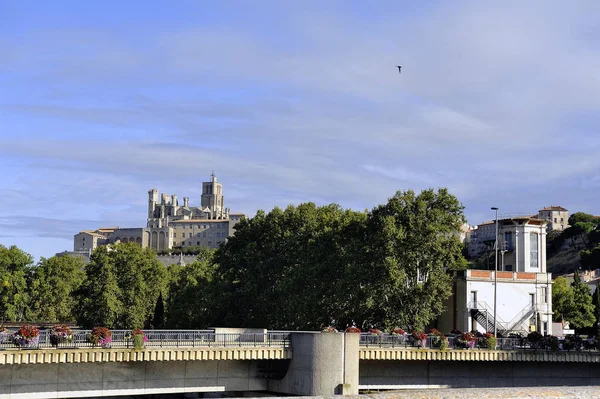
(496,276)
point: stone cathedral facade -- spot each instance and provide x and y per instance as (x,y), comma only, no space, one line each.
(171,224)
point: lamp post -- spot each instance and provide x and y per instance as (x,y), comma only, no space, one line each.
(496,276)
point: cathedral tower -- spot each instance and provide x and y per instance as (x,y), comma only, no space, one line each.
(212,198)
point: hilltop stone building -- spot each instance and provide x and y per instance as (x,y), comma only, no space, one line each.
(171,225)
(557,217)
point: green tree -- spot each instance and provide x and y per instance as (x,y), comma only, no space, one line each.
(122,284)
(582,217)
(582,314)
(54,282)
(562,299)
(191,296)
(98,298)
(412,244)
(140,278)
(596,303)
(308,250)
(159,313)
(307,266)
(15,266)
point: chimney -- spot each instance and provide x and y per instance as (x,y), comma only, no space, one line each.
(186,201)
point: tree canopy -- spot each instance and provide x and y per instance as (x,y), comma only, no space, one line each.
(53,284)
(15,265)
(385,267)
(122,285)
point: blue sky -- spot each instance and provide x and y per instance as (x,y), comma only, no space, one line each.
(291,102)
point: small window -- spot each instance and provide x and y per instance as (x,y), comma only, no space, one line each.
(474,297)
(561,220)
(532,299)
(210,243)
(554,220)
(203,234)
(197,242)
(174,235)
(204,226)
(543,295)
(209,235)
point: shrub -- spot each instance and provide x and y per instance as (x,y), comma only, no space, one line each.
(353,330)
(139,339)
(100,336)
(439,339)
(535,339)
(59,334)
(490,341)
(552,343)
(572,342)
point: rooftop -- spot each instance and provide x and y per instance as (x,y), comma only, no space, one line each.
(554,208)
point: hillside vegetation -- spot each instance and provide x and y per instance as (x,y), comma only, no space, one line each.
(576,247)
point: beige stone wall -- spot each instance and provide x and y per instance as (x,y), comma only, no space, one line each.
(206,233)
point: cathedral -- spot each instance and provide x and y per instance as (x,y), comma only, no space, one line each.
(171,225)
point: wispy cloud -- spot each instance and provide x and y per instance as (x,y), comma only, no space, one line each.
(498,102)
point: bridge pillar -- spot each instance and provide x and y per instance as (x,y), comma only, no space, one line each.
(324,364)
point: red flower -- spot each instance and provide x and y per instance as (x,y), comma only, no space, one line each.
(28,331)
(353,330)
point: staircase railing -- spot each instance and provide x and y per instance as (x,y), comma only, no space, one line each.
(520,318)
(501,325)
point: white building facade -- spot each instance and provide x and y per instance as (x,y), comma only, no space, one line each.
(524,288)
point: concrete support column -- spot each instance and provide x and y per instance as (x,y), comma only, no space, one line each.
(323,364)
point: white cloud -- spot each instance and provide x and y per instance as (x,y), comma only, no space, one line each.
(485,105)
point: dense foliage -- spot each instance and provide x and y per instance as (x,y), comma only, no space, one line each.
(303,267)
(122,286)
(573,302)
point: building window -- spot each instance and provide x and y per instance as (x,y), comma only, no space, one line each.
(532,299)
(209,235)
(210,243)
(533,250)
(204,226)
(543,295)
(554,220)
(203,234)
(545,327)
(174,235)
(508,268)
(197,242)
(474,297)
(562,220)
(508,241)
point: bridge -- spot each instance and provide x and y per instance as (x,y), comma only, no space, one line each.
(299,363)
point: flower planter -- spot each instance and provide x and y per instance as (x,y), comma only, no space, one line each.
(27,343)
(470,344)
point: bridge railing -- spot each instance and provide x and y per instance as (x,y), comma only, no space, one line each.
(159,338)
(431,342)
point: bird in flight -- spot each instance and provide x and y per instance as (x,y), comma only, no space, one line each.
(399,68)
